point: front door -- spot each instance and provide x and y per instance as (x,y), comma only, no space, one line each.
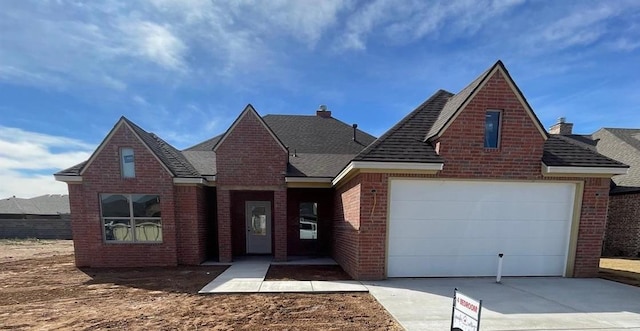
(258,221)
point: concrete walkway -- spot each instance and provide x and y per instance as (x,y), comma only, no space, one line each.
(533,303)
(247,276)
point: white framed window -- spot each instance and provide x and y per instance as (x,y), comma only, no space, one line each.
(492,128)
(131,218)
(127,162)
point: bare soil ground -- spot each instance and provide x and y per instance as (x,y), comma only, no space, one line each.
(624,270)
(45,291)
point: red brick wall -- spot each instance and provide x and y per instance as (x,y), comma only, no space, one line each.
(280,225)
(622,236)
(250,156)
(593,218)
(103,176)
(251,159)
(346,224)
(520,148)
(225,250)
(190,224)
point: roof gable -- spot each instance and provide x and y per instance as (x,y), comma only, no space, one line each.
(249,111)
(168,156)
(458,102)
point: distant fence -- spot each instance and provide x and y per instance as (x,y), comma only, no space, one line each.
(41,228)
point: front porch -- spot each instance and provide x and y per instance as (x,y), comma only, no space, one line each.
(270,221)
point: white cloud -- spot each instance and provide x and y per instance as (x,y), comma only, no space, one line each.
(405,22)
(155,43)
(20,185)
(29,159)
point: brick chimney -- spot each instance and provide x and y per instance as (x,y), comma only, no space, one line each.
(323,112)
(562,127)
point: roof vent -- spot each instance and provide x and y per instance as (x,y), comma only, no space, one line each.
(323,112)
(355,127)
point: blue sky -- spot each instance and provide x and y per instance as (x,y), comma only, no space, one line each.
(185,69)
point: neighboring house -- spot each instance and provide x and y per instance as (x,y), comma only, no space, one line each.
(622,234)
(43,217)
(44,206)
(460,179)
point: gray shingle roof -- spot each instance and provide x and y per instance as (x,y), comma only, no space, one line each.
(453,105)
(322,146)
(49,204)
(317,165)
(72,171)
(206,145)
(203,161)
(404,142)
(169,155)
(566,151)
(317,135)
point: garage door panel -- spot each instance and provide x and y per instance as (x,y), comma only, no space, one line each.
(456,210)
(483,191)
(452,229)
(489,246)
(457,228)
(474,266)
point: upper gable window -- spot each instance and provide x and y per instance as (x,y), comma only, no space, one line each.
(492,129)
(127,163)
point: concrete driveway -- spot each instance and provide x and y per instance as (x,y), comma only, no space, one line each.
(516,304)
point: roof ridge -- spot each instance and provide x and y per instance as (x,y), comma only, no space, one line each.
(455,102)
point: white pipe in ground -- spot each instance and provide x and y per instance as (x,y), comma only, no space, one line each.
(499,276)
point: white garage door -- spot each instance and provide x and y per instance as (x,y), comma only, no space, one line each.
(457,228)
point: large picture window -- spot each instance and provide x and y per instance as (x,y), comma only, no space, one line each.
(131,217)
(308,220)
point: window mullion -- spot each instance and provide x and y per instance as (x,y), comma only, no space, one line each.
(131,219)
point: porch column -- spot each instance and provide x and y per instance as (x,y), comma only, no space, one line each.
(224,225)
(280,224)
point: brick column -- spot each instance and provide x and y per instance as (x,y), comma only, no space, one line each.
(280,224)
(224,225)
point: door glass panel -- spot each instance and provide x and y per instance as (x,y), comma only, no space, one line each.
(258,221)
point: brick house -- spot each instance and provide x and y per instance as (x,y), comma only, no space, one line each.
(460,179)
(622,233)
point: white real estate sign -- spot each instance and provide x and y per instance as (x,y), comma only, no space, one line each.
(466,313)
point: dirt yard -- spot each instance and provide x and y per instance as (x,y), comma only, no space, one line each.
(623,270)
(40,288)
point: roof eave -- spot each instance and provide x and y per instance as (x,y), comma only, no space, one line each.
(378,166)
(587,171)
(69,179)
